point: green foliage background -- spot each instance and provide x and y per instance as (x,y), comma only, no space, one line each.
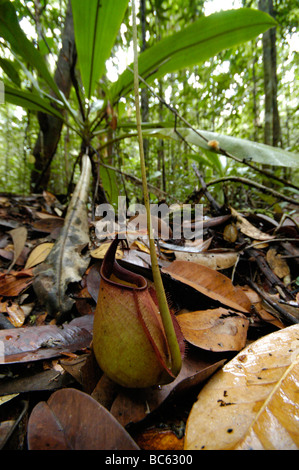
(214,96)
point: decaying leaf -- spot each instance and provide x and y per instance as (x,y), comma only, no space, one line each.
(48,224)
(248,229)
(215,330)
(42,342)
(11,285)
(211,260)
(252,401)
(99,253)
(65,263)
(210,283)
(133,405)
(73,420)
(6,398)
(230,233)
(278,264)
(16,314)
(262,308)
(196,246)
(48,379)
(19,236)
(138,245)
(159,439)
(38,254)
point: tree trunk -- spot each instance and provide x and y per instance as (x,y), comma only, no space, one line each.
(272,132)
(50,126)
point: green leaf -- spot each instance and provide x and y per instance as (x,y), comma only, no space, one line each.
(9,68)
(109,182)
(198,42)
(241,148)
(96,25)
(210,159)
(29,100)
(11,31)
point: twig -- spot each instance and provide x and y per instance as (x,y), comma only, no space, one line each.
(117,139)
(272,240)
(214,204)
(269,274)
(278,312)
(264,189)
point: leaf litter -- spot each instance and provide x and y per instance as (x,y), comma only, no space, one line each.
(229,294)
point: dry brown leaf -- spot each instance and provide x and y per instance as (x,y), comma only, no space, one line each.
(138,245)
(46,341)
(210,283)
(215,330)
(211,260)
(252,400)
(19,236)
(16,314)
(133,405)
(230,233)
(11,285)
(262,308)
(73,420)
(100,252)
(278,265)
(248,229)
(48,224)
(159,439)
(38,254)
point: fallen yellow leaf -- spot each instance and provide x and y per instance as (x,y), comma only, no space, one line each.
(253,401)
(38,254)
(100,252)
(215,330)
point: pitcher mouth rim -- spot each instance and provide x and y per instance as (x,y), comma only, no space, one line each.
(111,266)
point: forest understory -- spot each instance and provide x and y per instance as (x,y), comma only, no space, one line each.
(234,288)
(110,340)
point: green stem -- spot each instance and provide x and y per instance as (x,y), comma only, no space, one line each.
(176,359)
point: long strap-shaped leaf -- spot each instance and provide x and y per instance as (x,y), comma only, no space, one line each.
(96,24)
(29,100)
(11,31)
(196,43)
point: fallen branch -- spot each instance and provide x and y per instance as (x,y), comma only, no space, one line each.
(280,313)
(214,204)
(274,281)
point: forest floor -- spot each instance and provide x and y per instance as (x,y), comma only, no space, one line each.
(234,288)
